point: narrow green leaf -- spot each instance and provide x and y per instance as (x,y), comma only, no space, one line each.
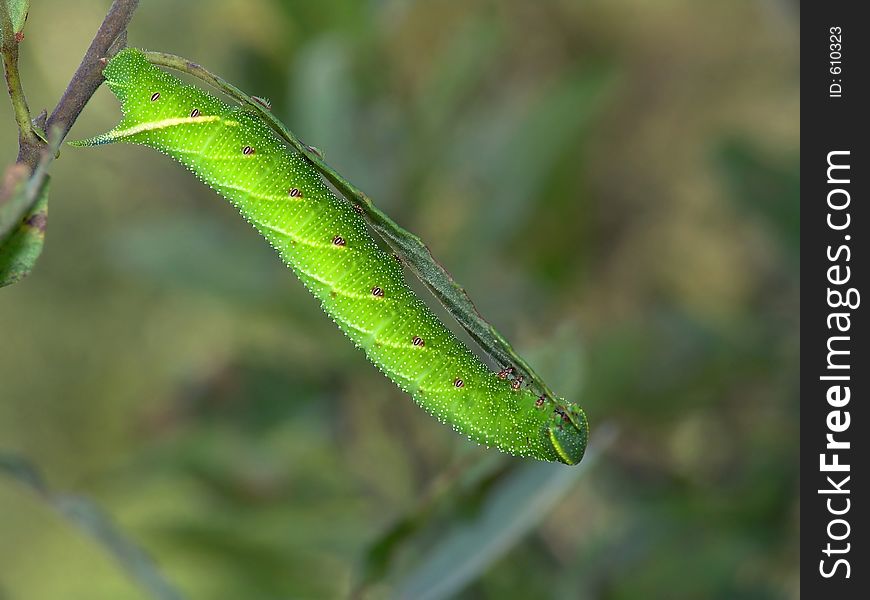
(14,15)
(91,519)
(23,244)
(467,482)
(511,511)
(13,203)
(459,486)
(24,214)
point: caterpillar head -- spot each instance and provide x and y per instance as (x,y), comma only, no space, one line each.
(568,431)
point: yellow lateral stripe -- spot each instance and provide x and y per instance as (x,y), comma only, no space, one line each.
(155,125)
(333,288)
(267,197)
(294,237)
(372,334)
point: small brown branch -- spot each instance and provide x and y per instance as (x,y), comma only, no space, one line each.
(87,77)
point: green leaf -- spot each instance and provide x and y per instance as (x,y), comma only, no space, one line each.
(91,519)
(511,511)
(460,485)
(469,481)
(24,214)
(22,233)
(14,15)
(13,203)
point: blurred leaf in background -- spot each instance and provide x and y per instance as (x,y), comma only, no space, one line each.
(22,235)
(615,183)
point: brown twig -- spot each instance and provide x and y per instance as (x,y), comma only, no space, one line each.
(86,79)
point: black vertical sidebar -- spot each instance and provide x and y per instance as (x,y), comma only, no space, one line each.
(835,437)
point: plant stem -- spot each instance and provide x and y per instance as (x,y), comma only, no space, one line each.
(406,245)
(110,37)
(34,152)
(13,83)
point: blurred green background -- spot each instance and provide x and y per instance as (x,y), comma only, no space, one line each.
(616,185)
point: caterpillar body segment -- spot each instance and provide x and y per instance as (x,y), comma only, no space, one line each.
(328,245)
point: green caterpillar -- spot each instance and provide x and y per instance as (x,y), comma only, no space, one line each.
(328,246)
